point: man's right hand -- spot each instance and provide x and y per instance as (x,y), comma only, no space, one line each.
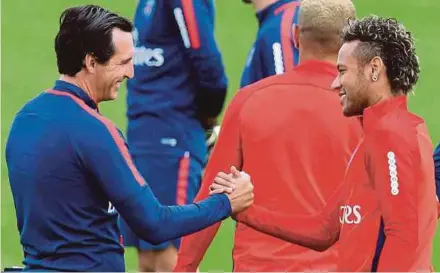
(238,186)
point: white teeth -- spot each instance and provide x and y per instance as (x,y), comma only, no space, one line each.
(342,99)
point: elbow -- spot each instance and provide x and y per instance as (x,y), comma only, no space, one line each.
(315,243)
(149,230)
(321,247)
(152,233)
(148,227)
(326,243)
(212,79)
(155,240)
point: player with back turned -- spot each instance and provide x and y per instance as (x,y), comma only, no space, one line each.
(287,129)
(272,52)
(384,216)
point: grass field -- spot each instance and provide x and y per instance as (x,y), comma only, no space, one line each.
(28,66)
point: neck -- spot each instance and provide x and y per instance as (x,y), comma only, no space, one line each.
(81,83)
(259,5)
(305,55)
(381,94)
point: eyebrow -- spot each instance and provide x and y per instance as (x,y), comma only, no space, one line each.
(125,61)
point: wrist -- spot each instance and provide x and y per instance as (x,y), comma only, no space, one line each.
(225,203)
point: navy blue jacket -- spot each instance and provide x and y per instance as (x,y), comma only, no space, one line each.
(179,77)
(273,52)
(437,169)
(70,173)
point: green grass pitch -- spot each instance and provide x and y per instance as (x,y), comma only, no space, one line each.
(28,66)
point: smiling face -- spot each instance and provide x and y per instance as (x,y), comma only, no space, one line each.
(351,81)
(109,76)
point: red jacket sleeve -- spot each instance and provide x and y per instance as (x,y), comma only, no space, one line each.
(226,153)
(317,232)
(394,166)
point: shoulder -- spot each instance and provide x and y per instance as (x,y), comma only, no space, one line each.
(82,123)
(34,131)
(245,93)
(282,21)
(260,90)
(402,130)
(269,36)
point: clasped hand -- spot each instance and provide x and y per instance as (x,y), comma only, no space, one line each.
(238,186)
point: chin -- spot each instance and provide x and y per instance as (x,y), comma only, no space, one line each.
(345,113)
(351,112)
(111,97)
(114,96)
(348,112)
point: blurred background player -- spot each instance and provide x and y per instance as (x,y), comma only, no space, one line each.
(384,215)
(273,51)
(177,93)
(288,129)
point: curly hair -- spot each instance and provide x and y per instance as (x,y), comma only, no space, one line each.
(389,40)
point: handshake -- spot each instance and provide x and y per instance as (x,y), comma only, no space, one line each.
(238,187)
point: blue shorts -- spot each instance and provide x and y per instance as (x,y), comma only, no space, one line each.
(174,180)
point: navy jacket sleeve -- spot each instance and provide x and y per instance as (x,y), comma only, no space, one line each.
(195,19)
(264,60)
(437,169)
(271,55)
(107,157)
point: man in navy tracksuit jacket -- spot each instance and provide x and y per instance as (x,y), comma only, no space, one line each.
(176,94)
(273,51)
(70,170)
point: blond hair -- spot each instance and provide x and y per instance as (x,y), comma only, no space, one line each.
(322,21)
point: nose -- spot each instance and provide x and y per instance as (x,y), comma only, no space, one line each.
(336,84)
(130,70)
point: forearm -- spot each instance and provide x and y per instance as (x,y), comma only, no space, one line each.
(211,85)
(156,223)
(194,247)
(307,231)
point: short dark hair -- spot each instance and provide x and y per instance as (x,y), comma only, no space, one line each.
(389,40)
(86,30)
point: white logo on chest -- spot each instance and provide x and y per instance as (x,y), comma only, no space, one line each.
(350,214)
(111,209)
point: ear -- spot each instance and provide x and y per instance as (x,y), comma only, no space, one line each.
(90,63)
(376,68)
(295,35)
